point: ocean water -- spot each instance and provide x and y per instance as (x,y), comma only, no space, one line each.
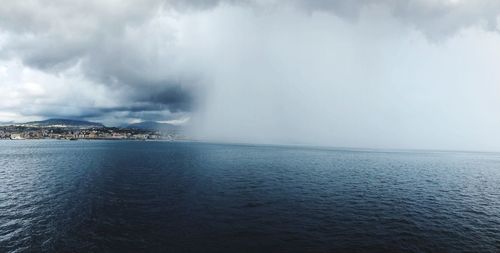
(119,196)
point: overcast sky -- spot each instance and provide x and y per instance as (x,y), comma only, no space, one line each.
(381,74)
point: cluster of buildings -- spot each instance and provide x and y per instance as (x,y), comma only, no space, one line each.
(22,132)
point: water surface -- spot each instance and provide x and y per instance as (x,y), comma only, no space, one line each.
(119,196)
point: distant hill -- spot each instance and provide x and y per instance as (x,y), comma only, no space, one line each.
(65,123)
(6,123)
(153,125)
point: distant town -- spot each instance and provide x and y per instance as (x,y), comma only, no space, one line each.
(63,129)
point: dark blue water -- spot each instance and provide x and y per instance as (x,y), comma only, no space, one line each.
(114,196)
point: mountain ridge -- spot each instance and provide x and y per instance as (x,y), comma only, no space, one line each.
(64,123)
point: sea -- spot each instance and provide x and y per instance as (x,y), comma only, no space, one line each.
(141,196)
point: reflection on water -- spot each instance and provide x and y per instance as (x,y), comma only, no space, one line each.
(95,196)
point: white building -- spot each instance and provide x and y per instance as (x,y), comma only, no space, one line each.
(16,137)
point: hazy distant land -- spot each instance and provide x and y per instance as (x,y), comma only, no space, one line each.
(79,129)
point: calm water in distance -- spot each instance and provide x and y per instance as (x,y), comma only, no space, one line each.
(119,196)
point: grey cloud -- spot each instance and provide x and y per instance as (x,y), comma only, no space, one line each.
(113,44)
(435,18)
(53,34)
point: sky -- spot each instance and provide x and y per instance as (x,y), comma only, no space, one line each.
(420,74)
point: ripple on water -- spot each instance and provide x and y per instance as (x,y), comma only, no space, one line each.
(152,196)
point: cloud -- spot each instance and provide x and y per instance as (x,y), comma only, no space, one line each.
(126,50)
(435,18)
(390,73)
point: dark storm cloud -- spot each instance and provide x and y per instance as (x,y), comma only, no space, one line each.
(175,97)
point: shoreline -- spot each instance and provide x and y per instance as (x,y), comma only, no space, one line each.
(98,139)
